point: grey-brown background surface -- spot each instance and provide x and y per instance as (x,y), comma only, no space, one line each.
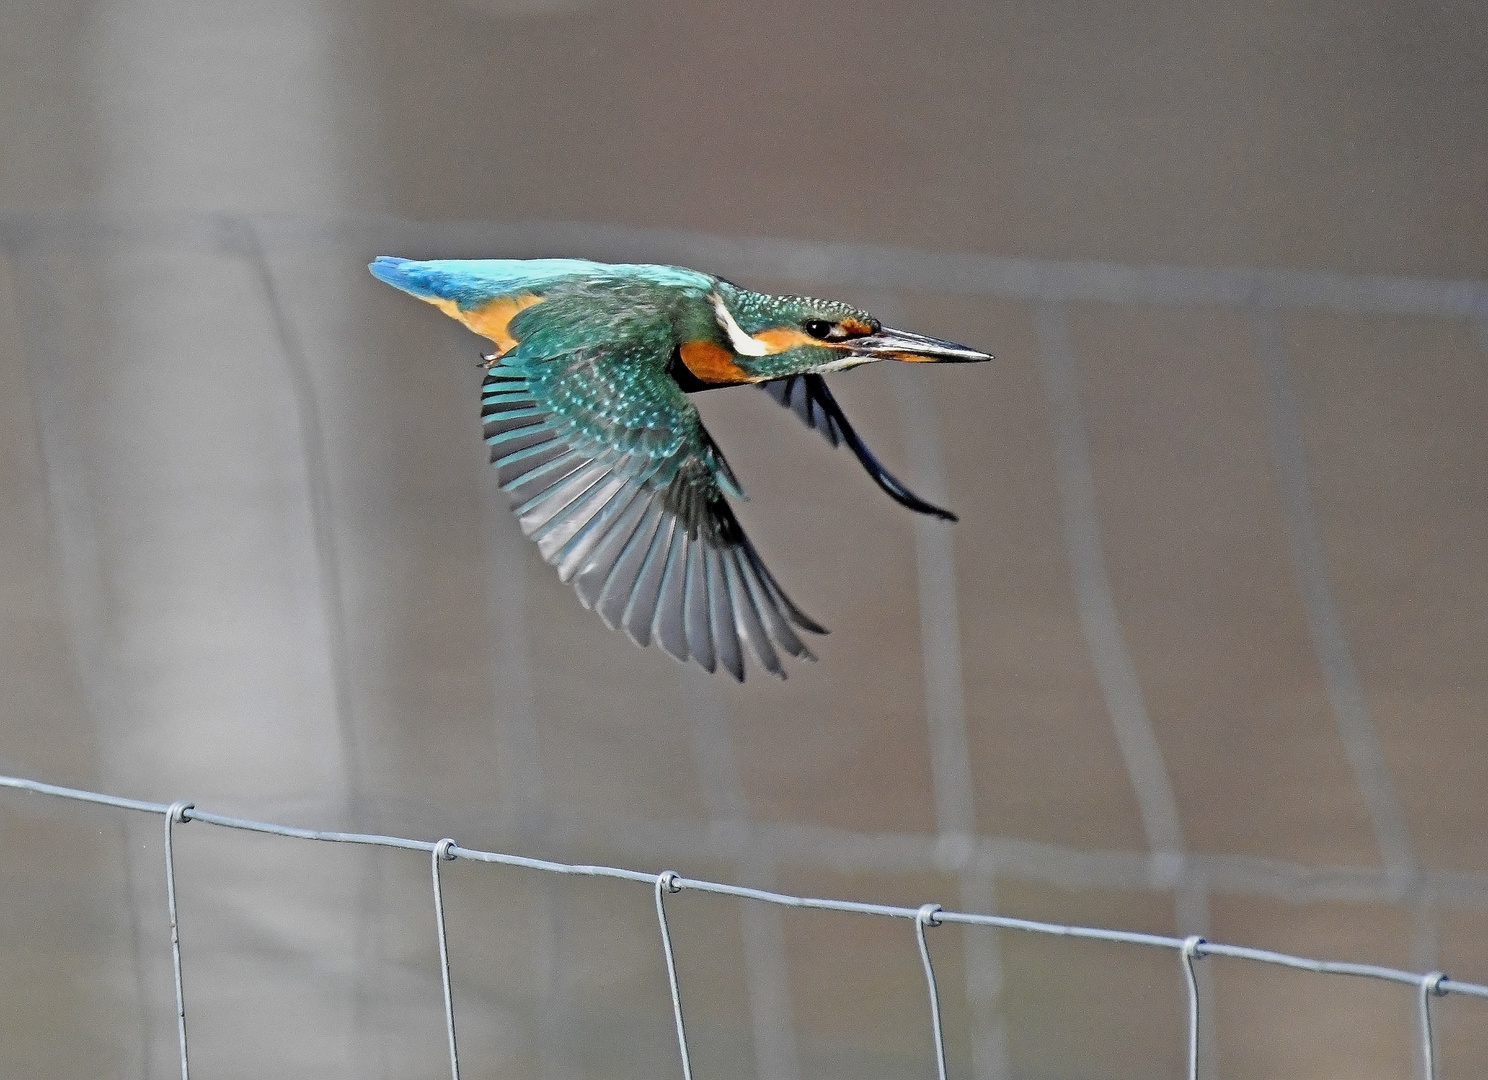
(1204,655)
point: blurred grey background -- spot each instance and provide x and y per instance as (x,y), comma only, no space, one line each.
(1204,655)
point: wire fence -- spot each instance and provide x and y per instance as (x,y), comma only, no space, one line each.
(1188,950)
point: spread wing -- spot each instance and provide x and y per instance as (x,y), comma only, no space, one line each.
(612,474)
(808,397)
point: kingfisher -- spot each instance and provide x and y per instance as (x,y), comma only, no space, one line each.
(587,411)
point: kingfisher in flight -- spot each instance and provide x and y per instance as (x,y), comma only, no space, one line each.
(609,468)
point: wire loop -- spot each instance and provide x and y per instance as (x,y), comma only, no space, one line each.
(444,852)
(176,811)
(668,882)
(1433,984)
(1192,949)
(929,915)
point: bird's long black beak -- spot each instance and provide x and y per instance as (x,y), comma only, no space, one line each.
(914,348)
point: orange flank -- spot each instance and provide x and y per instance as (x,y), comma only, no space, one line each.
(490,320)
(711,363)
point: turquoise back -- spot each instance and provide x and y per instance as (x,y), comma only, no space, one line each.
(473,282)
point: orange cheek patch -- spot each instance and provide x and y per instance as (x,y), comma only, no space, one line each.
(491,320)
(711,363)
(784,337)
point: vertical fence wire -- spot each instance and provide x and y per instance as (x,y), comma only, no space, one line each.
(177,811)
(929,915)
(1431,984)
(444,851)
(1191,947)
(666,882)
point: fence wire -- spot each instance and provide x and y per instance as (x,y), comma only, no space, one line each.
(1188,950)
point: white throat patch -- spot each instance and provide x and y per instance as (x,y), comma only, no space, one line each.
(742,343)
(851,360)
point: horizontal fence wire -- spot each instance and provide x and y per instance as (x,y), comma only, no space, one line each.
(1427,985)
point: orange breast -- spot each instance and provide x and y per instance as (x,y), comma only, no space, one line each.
(711,363)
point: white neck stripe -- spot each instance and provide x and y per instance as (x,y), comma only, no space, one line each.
(742,343)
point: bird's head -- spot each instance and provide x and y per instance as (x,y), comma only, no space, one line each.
(774,336)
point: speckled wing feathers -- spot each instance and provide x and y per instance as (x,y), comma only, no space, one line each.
(615,479)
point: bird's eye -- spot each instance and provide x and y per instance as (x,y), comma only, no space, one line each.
(820,329)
